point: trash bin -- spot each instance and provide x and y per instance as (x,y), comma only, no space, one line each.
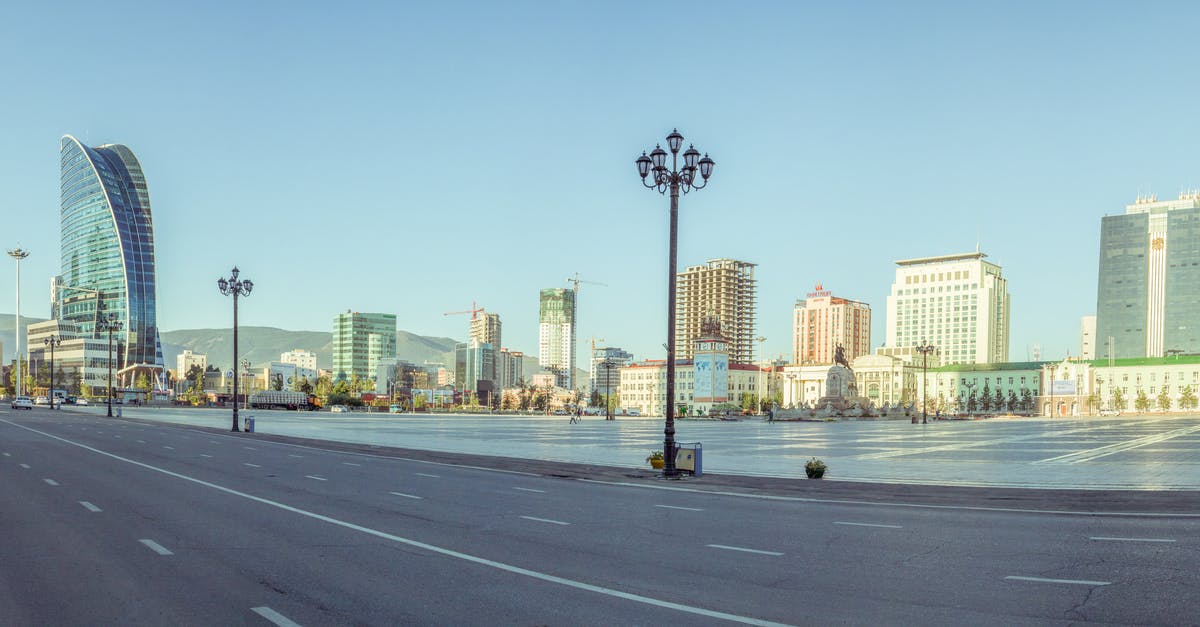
(689,457)
(249,424)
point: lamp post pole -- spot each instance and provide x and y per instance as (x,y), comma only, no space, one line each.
(608,366)
(758,381)
(925,350)
(110,323)
(674,180)
(18,254)
(52,341)
(235,287)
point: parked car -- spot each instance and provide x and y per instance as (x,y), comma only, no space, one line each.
(1110,412)
(81,401)
(337,409)
(22,402)
(41,400)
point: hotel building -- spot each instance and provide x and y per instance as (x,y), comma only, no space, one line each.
(822,322)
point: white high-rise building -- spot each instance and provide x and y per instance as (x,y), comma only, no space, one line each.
(185,360)
(957,303)
(556,335)
(302,358)
(1087,337)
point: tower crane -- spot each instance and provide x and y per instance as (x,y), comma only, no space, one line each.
(576,280)
(474,311)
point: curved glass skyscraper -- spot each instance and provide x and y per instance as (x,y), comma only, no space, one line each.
(107,249)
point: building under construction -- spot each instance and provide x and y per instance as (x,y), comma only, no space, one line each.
(725,289)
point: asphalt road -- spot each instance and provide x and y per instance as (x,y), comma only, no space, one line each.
(126,522)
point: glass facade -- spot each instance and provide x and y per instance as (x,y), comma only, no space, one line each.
(360,342)
(1181,324)
(107,248)
(556,334)
(1122,292)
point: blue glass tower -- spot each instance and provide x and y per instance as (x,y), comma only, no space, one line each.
(107,249)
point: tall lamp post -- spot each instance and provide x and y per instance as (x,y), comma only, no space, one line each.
(249,387)
(235,287)
(674,179)
(925,350)
(110,323)
(758,381)
(607,364)
(52,342)
(18,254)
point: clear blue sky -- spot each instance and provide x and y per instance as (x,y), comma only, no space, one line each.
(415,157)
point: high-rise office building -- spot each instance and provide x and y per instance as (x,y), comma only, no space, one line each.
(822,322)
(185,360)
(1149,290)
(486,328)
(475,369)
(108,252)
(510,368)
(726,289)
(1087,337)
(556,335)
(360,342)
(957,303)
(605,366)
(302,358)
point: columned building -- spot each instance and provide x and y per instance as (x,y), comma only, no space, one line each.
(721,288)
(108,252)
(957,303)
(556,335)
(822,322)
(360,342)
(1149,279)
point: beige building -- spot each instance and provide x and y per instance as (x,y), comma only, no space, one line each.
(726,289)
(956,303)
(822,322)
(486,329)
(185,360)
(884,379)
(644,386)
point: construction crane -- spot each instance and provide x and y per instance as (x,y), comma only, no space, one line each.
(578,280)
(474,311)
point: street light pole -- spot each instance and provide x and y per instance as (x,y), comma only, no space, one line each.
(235,287)
(674,180)
(110,323)
(18,254)
(758,382)
(52,341)
(924,349)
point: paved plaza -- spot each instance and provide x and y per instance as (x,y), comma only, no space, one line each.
(1139,452)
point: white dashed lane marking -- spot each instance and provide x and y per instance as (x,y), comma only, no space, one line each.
(351,464)
(407,496)
(274,617)
(530,490)
(154,546)
(743,549)
(546,520)
(1104,539)
(316,477)
(89,506)
(421,474)
(251,465)
(50,481)
(855,524)
(1076,582)
(688,509)
(25,466)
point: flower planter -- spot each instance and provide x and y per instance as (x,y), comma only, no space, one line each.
(657,464)
(814,474)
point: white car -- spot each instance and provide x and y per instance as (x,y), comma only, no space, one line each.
(41,400)
(22,402)
(337,409)
(81,401)
(1110,412)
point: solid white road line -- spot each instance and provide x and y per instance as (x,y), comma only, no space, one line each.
(432,548)
(867,525)
(1130,539)
(251,465)
(686,509)
(274,617)
(50,481)
(89,506)
(25,466)
(744,550)
(154,546)
(1078,582)
(316,477)
(546,520)
(407,496)
(421,474)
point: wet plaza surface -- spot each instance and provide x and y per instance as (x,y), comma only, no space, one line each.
(1127,452)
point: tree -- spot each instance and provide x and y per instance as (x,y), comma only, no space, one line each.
(747,402)
(1117,399)
(1012,401)
(303,385)
(1026,399)
(1143,402)
(142,382)
(1093,401)
(506,401)
(972,402)
(323,386)
(998,402)
(1164,398)
(596,400)
(1187,398)
(985,398)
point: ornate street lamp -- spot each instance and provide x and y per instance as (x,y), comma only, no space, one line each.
(18,254)
(110,323)
(235,287)
(52,342)
(674,179)
(925,350)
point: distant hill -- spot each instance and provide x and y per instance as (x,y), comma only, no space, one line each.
(263,344)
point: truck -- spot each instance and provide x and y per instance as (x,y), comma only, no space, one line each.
(284,399)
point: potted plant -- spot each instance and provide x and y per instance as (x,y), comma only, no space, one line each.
(656,460)
(815,468)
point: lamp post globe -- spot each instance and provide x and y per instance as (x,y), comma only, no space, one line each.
(675,180)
